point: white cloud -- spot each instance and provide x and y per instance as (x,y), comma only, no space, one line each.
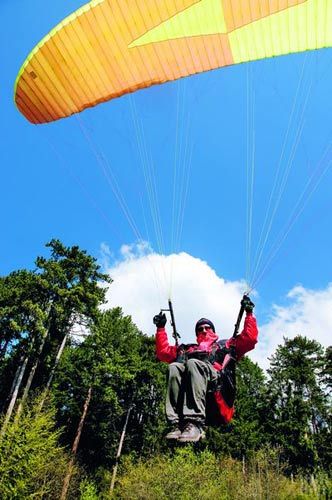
(308,313)
(143,281)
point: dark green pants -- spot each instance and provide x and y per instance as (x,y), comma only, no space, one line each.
(187,385)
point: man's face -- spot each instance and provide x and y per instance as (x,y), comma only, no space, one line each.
(202,330)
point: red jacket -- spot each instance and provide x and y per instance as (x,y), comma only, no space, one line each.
(243,343)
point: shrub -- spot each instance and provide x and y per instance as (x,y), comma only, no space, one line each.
(201,475)
(32,464)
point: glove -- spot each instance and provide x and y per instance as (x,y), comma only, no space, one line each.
(247,304)
(160,320)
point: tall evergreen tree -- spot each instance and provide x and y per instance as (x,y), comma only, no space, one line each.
(72,280)
(23,317)
(297,403)
(118,362)
(37,312)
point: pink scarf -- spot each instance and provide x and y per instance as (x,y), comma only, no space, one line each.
(205,340)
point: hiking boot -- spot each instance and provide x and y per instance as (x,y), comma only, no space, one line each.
(191,433)
(174,433)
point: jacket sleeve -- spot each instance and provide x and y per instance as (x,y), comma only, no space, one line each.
(247,339)
(164,351)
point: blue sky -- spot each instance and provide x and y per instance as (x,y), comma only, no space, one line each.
(56,182)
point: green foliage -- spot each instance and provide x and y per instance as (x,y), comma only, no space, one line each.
(189,475)
(32,464)
(119,362)
(22,322)
(21,305)
(71,277)
(298,410)
(38,308)
(88,490)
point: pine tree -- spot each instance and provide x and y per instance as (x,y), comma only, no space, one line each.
(38,310)
(297,403)
(118,362)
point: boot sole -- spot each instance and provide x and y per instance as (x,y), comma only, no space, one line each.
(188,440)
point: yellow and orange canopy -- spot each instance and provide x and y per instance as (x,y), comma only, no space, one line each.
(111,47)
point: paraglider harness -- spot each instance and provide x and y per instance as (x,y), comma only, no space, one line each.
(219,353)
(225,356)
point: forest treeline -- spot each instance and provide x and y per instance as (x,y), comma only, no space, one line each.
(74,376)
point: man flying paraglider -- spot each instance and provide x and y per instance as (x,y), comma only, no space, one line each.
(196,370)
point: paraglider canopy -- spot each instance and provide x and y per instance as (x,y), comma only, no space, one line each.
(107,48)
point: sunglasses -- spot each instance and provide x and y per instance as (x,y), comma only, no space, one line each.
(201,329)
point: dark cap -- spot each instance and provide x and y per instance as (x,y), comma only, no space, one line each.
(204,321)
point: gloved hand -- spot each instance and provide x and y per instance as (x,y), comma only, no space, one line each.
(247,304)
(160,320)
